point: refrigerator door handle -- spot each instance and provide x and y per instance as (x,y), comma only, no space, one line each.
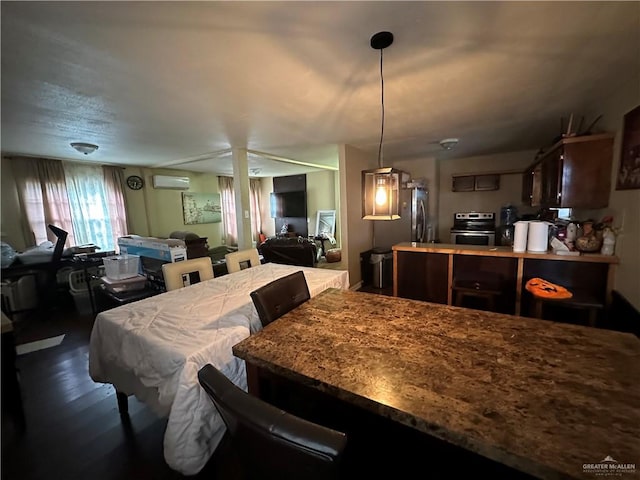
(421,226)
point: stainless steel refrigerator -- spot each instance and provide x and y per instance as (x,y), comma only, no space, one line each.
(413,225)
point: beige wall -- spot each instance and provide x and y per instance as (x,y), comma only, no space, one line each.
(321,195)
(356,233)
(510,187)
(158,212)
(624,205)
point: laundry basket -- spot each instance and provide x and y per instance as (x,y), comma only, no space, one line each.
(78,287)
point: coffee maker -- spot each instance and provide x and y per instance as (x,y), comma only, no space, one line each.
(504,233)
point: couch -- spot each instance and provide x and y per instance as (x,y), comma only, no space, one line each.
(289,251)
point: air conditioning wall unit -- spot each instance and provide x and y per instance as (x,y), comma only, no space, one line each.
(169,181)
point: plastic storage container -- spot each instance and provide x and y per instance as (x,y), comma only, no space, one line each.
(82,302)
(119,267)
(78,288)
(20,294)
(127,285)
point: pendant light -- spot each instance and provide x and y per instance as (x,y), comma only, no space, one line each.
(381,186)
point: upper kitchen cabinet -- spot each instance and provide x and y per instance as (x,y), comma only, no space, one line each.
(574,173)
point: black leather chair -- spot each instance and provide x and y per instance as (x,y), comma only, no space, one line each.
(280,296)
(271,443)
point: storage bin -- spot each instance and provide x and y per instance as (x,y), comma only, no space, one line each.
(82,301)
(118,267)
(77,280)
(127,285)
(20,294)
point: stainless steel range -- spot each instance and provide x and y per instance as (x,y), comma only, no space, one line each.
(474,228)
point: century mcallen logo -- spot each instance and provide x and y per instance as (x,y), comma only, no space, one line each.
(609,467)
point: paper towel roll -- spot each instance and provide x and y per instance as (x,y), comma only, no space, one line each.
(538,239)
(520,236)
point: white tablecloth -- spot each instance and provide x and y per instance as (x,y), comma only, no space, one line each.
(154,348)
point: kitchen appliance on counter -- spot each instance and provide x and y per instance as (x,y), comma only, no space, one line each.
(474,228)
(413,224)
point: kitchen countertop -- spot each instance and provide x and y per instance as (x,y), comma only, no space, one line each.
(490,251)
(542,397)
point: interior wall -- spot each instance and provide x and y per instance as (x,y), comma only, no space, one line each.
(510,191)
(157,212)
(624,205)
(356,233)
(321,195)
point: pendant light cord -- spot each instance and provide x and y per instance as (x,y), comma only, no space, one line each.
(382,106)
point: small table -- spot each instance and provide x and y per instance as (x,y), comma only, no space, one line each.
(540,397)
(123,298)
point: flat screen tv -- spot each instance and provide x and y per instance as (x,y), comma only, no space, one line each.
(289,204)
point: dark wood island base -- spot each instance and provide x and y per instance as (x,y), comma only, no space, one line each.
(539,397)
(427,272)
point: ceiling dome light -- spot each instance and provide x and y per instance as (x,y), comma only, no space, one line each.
(448,143)
(85,148)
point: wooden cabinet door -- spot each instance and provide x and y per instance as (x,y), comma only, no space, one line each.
(552,178)
(575,173)
(423,276)
(588,165)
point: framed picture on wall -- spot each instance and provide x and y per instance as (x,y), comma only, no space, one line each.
(629,171)
(201,208)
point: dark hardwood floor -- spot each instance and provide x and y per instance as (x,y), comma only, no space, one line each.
(73,430)
(72,426)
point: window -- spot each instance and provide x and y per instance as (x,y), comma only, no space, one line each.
(85,200)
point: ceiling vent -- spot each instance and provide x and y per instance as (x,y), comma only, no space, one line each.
(168,181)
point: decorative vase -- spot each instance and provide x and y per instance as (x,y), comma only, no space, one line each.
(608,242)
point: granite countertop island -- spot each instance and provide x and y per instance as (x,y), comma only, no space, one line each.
(541,397)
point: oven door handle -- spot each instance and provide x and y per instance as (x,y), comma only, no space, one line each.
(466,233)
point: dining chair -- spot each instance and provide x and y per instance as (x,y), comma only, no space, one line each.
(173,273)
(272,443)
(280,296)
(242,259)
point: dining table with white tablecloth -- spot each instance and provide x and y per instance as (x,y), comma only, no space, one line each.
(153,349)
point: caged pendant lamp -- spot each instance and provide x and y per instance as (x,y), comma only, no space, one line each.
(381,186)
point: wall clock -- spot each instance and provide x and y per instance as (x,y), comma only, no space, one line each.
(134,182)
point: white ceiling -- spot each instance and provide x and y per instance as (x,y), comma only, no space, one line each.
(173,83)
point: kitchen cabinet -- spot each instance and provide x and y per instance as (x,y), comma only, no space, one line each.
(477,183)
(574,173)
(424,271)
(424,277)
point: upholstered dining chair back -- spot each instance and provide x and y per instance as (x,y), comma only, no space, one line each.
(242,259)
(173,272)
(280,296)
(271,443)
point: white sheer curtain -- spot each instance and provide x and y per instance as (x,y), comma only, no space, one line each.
(89,208)
(42,195)
(255,191)
(229,229)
